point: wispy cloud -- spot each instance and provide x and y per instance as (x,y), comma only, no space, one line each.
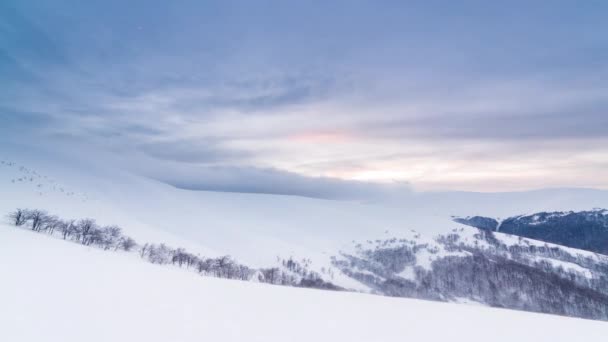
(475,96)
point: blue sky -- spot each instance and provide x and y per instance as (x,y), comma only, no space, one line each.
(472,95)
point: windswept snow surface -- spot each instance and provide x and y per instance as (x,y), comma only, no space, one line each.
(53,290)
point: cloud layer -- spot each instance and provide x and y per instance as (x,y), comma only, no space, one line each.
(317,99)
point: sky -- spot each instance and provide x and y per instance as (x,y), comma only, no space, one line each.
(315,98)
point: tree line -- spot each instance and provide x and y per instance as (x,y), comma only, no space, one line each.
(85,231)
(516,276)
(88,232)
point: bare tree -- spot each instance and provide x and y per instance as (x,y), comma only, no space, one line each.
(145,250)
(51,223)
(18,217)
(159,254)
(110,237)
(271,275)
(243,272)
(204,266)
(182,257)
(85,230)
(96,237)
(67,228)
(126,244)
(37,218)
(226,267)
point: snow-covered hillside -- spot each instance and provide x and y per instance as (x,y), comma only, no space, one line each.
(493,269)
(591,227)
(52,290)
(262,231)
(254,228)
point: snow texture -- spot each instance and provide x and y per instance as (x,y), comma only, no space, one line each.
(56,291)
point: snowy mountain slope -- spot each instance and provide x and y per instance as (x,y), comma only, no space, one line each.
(239,224)
(260,231)
(480,266)
(252,227)
(59,186)
(52,290)
(466,265)
(584,229)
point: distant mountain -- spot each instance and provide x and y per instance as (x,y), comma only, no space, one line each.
(586,230)
(484,267)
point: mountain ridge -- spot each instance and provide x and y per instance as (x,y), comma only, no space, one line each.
(586,230)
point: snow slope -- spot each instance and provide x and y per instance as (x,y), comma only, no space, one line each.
(52,290)
(253,228)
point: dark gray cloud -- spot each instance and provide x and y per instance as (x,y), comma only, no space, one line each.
(272,181)
(206,151)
